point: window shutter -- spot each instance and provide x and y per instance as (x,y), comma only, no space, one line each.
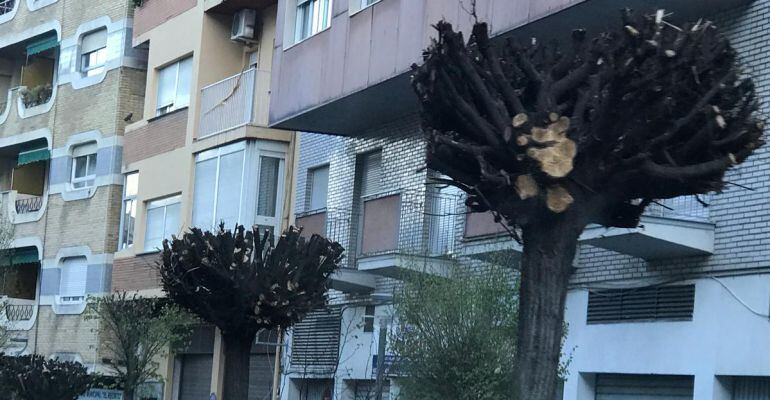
(319,186)
(371,177)
(84,149)
(94,41)
(675,302)
(74,272)
(315,341)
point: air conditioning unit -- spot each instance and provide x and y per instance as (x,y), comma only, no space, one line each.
(245,26)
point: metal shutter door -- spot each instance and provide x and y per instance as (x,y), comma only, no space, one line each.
(751,389)
(260,376)
(196,377)
(371,177)
(367,390)
(643,387)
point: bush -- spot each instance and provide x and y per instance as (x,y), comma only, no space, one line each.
(34,377)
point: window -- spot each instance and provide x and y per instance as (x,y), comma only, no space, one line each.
(72,287)
(93,52)
(318,185)
(313,16)
(369,319)
(162,221)
(174,83)
(371,174)
(6,6)
(220,194)
(83,166)
(128,216)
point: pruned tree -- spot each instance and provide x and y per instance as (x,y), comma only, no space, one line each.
(136,331)
(34,377)
(553,139)
(242,283)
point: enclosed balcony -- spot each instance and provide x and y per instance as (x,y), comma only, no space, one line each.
(20,271)
(23,185)
(28,77)
(235,102)
(488,240)
(678,227)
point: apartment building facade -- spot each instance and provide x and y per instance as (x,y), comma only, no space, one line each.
(676,308)
(68,76)
(201,154)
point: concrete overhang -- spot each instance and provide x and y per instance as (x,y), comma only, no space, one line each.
(231,6)
(499,249)
(348,280)
(655,238)
(393,98)
(396,265)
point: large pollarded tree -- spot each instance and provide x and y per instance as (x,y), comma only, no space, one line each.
(553,139)
(242,282)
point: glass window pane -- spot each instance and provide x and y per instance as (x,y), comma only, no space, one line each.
(203,197)
(229,190)
(172,225)
(319,188)
(268,186)
(153,235)
(91,165)
(167,86)
(129,219)
(80,166)
(184,83)
(132,184)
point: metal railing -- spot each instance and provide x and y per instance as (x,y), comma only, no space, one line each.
(426,225)
(684,207)
(19,312)
(29,205)
(6,6)
(233,102)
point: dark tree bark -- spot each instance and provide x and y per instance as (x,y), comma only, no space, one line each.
(237,351)
(551,139)
(242,283)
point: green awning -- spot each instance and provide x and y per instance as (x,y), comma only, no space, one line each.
(43,44)
(24,255)
(31,156)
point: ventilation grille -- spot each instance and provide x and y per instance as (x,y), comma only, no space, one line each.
(315,341)
(641,304)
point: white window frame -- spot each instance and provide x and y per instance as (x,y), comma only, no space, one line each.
(73,299)
(163,109)
(249,193)
(164,202)
(129,200)
(318,22)
(89,152)
(357,6)
(101,52)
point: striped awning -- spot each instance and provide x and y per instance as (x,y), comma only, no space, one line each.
(31,156)
(42,44)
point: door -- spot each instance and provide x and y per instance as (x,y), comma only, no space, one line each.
(196,377)
(643,387)
(751,388)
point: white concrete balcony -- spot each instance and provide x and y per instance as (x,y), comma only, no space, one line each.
(235,102)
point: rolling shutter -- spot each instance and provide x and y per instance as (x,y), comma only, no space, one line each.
(674,302)
(315,341)
(196,377)
(751,388)
(371,174)
(643,387)
(260,376)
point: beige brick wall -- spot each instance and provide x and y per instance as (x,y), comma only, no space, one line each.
(158,136)
(135,273)
(63,333)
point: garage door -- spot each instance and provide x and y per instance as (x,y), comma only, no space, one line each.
(643,387)
(260,376)
(196,377)
(751,389)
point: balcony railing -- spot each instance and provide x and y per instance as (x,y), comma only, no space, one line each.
(29,204)
(19,312)
(6,6)
(234,102)
(405,222)
(685,207)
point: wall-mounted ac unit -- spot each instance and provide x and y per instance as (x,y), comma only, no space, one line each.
(245,26)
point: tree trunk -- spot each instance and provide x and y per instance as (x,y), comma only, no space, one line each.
(236,380)
(546,264)
(128,394)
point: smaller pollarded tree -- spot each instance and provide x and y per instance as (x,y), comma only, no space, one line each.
(242,283)
(136,332)
(34,377)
